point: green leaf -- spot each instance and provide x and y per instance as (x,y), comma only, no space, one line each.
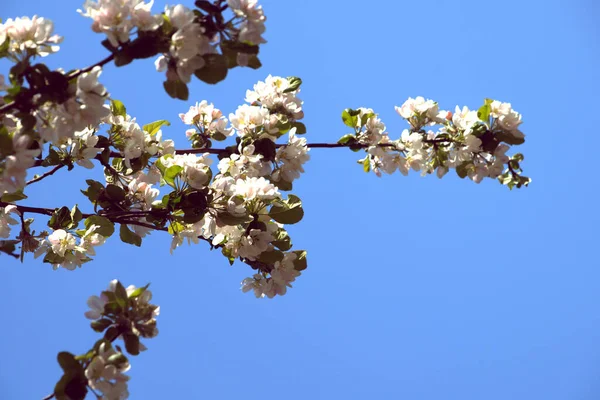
(300,128)
(138,292)
(270,257)
(224,218)
(367,164)
(120,292)
(171,173)
(101,324)
(61,219)
(53,158)
(71,387)
(105,227)
(128,236)
(117,108)
(153,127)
(283,241)
(111,333)
(93,191)
(508,138)
(350,117)
(287,212)
(463,169)
(349,138)
(115,193)
(295,83)
(13,197)
(123,58)
(254,62)
(6,141)
(300,261)
(365,118)
(282,184)
(4,47)
(215,69)
(177,89)
(132,343)
(118,360)
(67,361)
(53,258)
(76,216)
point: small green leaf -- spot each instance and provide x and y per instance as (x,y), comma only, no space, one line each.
(101,324)
(214,70)
(283,241)
(138,292)
(68,363)
(349,138)
(463,169)
(117,108)
(287,212)
(132,343)
(53,158)
(254,62)
(300,261)
(13,197)
(120,292)
(111,333)
(270,257)
(71,387)
(282,184)
(295,83)
(509,138)
(118,360)
(171,173)
(93,191)
(61,219)
(76,216)
(115,193)
(350,117)
(177,89)
(105,227)
(224,218)
(128,236)
(367,164)
(153,127)
(300,128)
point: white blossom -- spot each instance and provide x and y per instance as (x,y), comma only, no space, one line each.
(292,157)
(253,24)
(106,377)
(30,35)
(6,220)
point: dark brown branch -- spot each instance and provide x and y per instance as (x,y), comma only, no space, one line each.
(51,172)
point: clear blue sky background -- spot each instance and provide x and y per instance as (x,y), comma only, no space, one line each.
(417,288)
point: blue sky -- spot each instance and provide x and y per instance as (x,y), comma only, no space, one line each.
(417,288)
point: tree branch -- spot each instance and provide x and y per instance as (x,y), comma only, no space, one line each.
(51,172)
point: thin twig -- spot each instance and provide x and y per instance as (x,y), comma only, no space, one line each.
(51,172)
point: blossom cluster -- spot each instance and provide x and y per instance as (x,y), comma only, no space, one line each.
(181,36)
(6,220)
(121,314)
(117,19)
(188,45)
(105,373)
(237,204)
(253,20)
(473,142)
(68,125)
(24,37)
(70,249)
